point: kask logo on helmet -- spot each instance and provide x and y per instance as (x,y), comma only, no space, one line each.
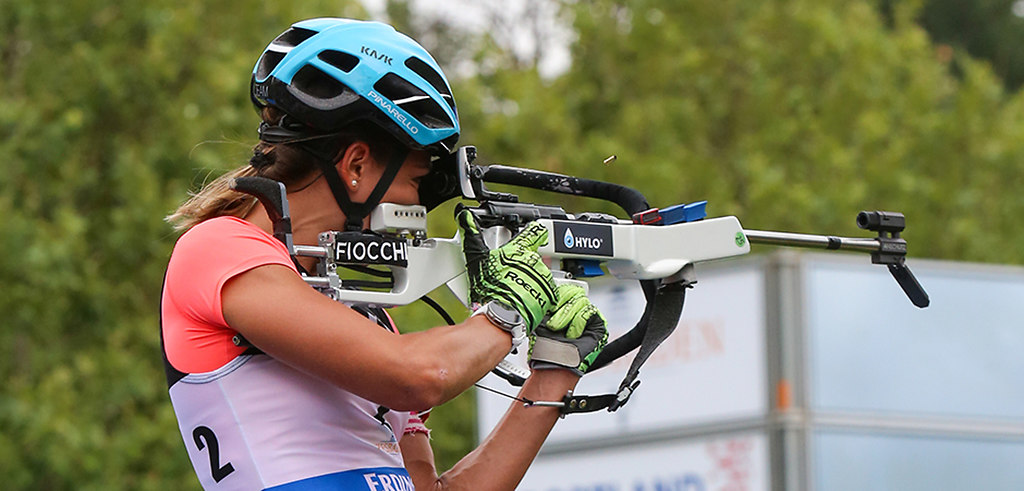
(372,53)
(410,124)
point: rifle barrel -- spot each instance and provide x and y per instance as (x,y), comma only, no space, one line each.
(811,241)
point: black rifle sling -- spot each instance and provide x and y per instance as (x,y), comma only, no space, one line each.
(629,341)
(665,309)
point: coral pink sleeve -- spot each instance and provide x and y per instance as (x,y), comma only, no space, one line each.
(196,337)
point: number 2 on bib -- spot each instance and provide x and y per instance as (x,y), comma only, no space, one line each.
(204,437)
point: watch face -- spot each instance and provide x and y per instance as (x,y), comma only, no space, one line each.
(504,314)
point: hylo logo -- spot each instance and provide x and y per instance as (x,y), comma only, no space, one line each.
(591,239)
(572,241)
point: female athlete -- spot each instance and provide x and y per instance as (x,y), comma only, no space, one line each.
(276,386)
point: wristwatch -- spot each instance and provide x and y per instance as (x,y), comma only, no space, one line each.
(506,318)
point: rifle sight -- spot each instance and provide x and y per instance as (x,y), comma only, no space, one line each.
(881,221)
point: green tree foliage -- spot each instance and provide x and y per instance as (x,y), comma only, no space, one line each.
(111,110)
(991,30)
(791,114)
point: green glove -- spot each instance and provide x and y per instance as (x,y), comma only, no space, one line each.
(512,274)
(585,333)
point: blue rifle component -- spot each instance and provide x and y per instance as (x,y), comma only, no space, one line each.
(589,268)
(684,213)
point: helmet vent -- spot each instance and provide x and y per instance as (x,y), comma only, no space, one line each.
(413,100)
(292,37)
(311,81)
(267,63)
(429,113)
(340,60)
(397,88)
(280,47)
(432,77)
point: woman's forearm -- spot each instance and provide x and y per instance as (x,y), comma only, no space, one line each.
(331,341)
(501,461)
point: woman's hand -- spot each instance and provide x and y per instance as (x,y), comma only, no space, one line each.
(574,334)
(512,274)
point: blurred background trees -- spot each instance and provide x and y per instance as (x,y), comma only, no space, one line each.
(791,114)
(990,30)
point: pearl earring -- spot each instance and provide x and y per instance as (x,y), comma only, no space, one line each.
(355,183)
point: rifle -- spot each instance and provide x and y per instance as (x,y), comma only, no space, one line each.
(657,247)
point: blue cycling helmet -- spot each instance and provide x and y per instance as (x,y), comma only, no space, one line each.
(326,73)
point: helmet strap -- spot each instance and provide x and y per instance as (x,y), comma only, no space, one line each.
(322,152)
(355,213)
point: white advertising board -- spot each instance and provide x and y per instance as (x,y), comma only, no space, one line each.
(870,350)
(735,463)
(712,368)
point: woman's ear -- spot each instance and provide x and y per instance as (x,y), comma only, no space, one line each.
(355,164)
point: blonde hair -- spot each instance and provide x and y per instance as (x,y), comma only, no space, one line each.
(216,198)
(284,162)
(280,162)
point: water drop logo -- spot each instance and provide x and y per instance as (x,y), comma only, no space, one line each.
(569,239)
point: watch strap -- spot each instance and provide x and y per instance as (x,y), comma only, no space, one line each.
(516,328)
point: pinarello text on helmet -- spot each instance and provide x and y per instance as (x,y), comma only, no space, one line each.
(394,112)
